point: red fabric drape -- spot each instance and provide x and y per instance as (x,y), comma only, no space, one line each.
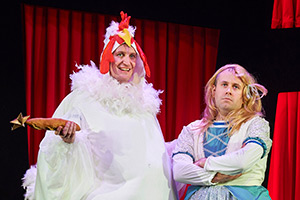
(181,59)
(284,175)
(286,14)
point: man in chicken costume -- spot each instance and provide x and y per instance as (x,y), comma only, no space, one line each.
(119,153)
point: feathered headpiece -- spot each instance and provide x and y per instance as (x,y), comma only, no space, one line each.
(117,34)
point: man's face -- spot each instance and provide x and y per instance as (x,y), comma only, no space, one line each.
(228,92)
(125,61)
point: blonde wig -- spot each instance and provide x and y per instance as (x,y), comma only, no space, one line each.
(252,92)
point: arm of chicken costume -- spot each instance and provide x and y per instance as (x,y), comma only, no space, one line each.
(40,123)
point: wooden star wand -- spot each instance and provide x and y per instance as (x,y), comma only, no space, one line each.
(39,123)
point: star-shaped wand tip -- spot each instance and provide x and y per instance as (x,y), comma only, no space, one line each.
(19,121)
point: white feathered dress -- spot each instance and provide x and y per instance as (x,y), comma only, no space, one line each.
(118,154)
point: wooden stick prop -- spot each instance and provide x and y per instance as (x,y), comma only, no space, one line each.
(39,123)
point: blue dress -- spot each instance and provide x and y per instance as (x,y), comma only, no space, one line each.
(215,143)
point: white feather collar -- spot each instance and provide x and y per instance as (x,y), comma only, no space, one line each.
(117,98)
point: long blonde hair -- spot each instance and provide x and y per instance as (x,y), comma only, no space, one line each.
(252,93)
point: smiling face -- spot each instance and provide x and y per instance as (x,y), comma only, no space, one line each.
(125,62)
(227,93)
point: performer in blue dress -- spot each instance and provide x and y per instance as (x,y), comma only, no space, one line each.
(224,155)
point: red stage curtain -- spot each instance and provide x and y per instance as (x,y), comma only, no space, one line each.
(286,14)
(284,174)
(182,58)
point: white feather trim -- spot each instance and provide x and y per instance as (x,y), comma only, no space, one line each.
(118,98)
(29,182)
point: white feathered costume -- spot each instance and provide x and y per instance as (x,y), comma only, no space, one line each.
(118,154)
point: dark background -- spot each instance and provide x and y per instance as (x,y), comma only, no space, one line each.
(246,38)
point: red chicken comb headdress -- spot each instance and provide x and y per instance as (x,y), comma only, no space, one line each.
(117,34)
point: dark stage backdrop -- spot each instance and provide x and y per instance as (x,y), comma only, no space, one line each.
(181,57)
